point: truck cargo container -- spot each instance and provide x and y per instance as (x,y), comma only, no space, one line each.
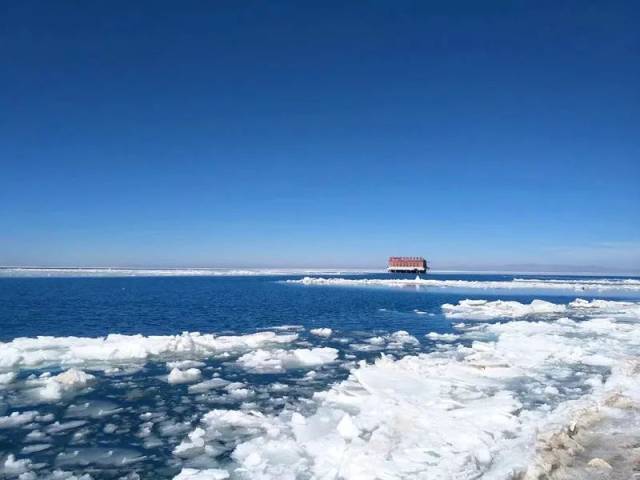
(407,265)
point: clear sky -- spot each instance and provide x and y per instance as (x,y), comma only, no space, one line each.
(479,134)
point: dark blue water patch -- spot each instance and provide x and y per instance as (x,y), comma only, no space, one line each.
(98,306)
(161,305)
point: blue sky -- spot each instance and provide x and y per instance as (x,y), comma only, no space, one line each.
(478,134)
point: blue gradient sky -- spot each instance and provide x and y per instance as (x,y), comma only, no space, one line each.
(478,134)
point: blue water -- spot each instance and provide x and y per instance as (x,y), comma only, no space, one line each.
(90,307)
(170,305)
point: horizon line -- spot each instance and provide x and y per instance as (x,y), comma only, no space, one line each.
(283,270)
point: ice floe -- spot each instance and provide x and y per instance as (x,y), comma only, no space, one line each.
(207,385)
(105,457)
(586,285)
(17,419)
(321,332)
(183,364)
(394,341)
(52,388)
(59,427)
(506,406)
(488,310)
(207,474)
(401,338)
(27,352)
(38,447)
(442,337)
(12,467)
(92,409)
(485,310)
(278,360)
(7,378)
(184,376)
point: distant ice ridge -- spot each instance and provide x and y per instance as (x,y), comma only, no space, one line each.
(594,281)
(581,285)
(516,403)
(113,349)
(168,272)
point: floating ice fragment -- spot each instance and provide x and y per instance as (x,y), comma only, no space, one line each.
(7,378)
(278,387)
(92,409)
(17,419)
(274,361)
(347,429)
(551,390)
(177,376)
(486,310)
(110,428)
(401,338)
(66,383)
(102,457)
(36,436)
(207,385)
(396,340)
(207,474)
(171,428)
(184,364)
(30,476)
(192,446)
(115,348)
(58,427)
(49,417)
(321,332)
(13,467)
(240,393)
(38,447)
(442,337)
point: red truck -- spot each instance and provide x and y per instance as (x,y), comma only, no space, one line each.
(407,265)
